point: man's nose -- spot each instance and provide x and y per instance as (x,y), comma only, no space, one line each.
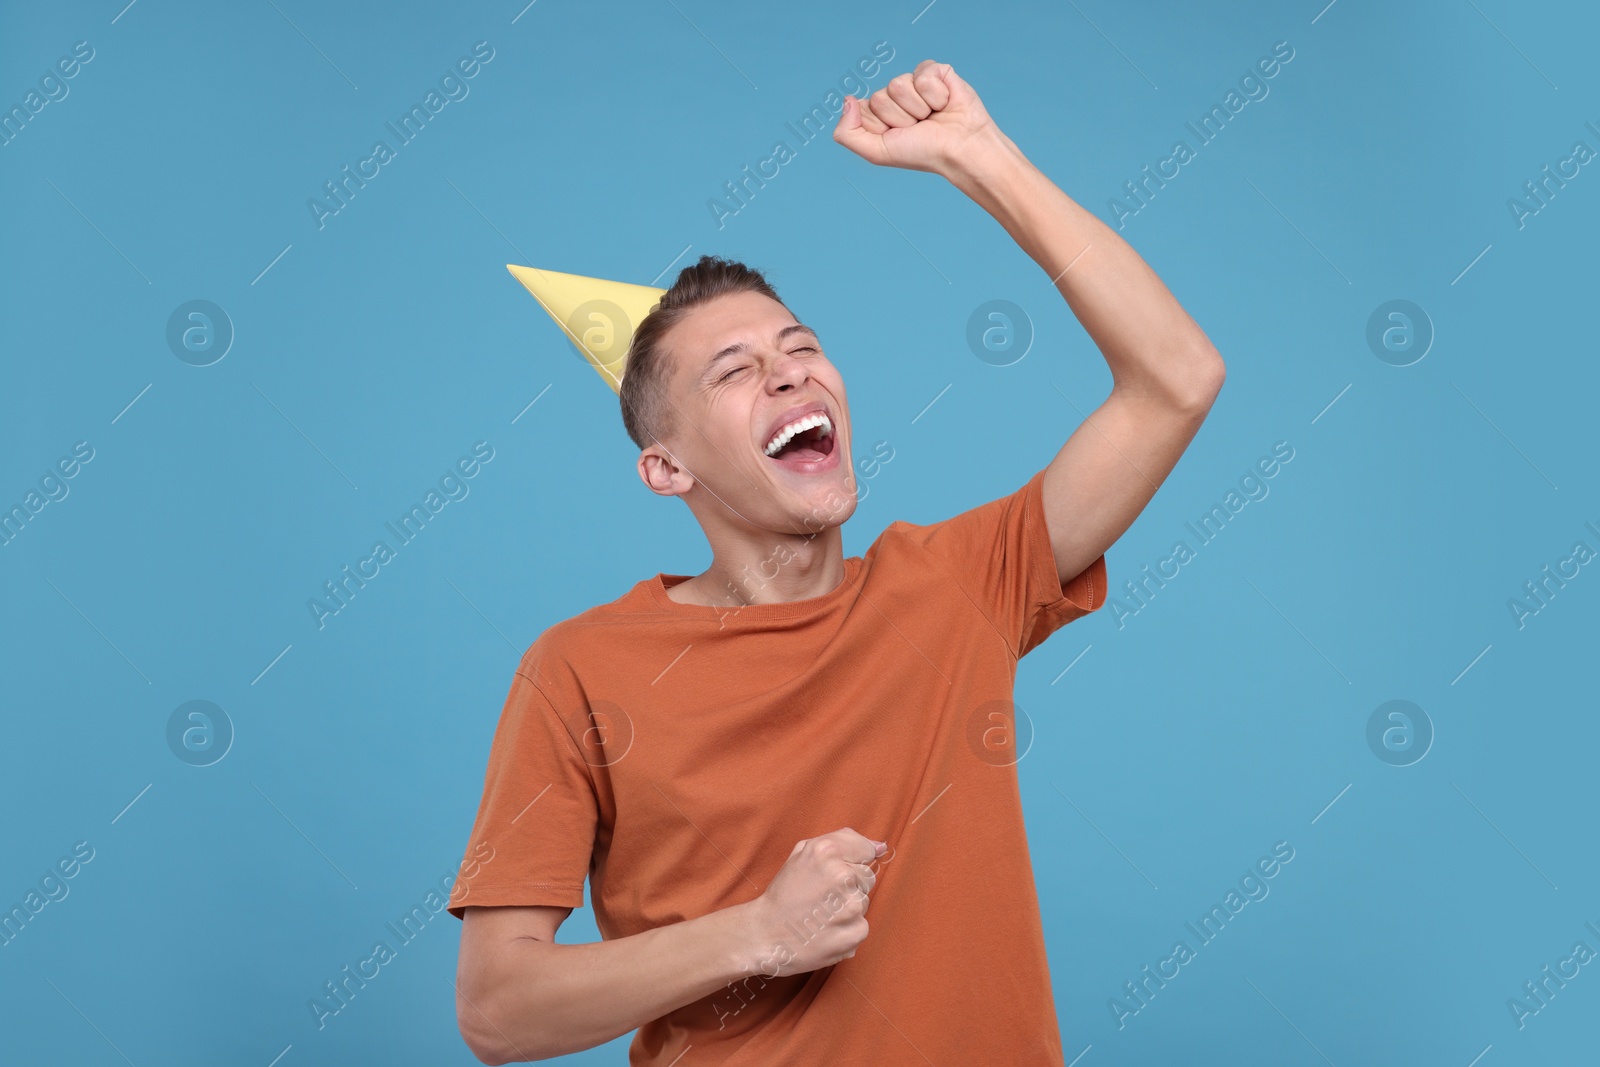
(787,372)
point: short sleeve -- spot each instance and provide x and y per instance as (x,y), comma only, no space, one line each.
(999,555)
(535,830)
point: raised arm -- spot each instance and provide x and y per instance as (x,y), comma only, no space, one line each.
(1165,372)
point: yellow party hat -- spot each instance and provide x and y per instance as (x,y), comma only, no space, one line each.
(597,315)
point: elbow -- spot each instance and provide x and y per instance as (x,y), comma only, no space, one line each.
(486,1055)
(486,1047)
(478,1031)
(487,1039)
(1201,382)
(493,1050)
(503,1009)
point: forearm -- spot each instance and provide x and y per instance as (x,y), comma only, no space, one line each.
(537,999)
(1150,343)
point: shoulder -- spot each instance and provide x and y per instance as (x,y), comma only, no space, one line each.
(552,661)
(977,519)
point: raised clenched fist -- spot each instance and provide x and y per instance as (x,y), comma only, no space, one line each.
(921,120)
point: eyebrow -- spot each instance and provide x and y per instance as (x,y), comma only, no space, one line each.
(740,347)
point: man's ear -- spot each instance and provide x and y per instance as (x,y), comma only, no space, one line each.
(661,473)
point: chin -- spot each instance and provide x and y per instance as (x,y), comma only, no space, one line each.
(830,503)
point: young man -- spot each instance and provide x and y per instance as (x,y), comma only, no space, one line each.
(740,761)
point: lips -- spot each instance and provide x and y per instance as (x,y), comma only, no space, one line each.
(820,459)
(794,414)
(808,452)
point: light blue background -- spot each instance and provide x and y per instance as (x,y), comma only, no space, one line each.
(1224,717)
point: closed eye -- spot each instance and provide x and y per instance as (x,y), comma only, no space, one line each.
(737,370)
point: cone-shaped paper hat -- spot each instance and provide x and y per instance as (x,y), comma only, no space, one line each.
(597,315)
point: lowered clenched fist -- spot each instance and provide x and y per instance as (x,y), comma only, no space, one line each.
(922,120)
(814,912)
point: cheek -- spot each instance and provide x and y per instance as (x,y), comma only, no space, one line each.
(726,424)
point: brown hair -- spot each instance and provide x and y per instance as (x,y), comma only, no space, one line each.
(647,410)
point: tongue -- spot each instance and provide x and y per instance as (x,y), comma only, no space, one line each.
(805,447)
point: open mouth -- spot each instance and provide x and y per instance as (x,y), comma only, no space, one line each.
(806,446)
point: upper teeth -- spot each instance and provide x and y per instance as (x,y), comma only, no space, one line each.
(799,426)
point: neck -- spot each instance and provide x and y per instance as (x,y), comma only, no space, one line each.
(774,569)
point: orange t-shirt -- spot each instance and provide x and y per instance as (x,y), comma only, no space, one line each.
(675,753)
